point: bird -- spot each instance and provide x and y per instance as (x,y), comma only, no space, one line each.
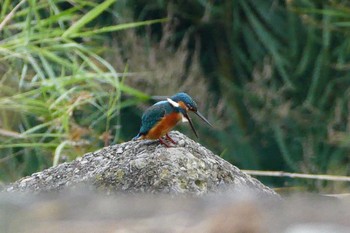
(159,119)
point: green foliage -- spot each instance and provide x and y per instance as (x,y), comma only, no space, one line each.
(281,68)
(272,76)
(298,94)
(58,97)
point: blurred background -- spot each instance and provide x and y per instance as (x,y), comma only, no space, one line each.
(272,76)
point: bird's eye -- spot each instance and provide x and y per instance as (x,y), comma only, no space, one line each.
(189,107)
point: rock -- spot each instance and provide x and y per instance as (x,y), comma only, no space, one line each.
(145,167)
(89,212)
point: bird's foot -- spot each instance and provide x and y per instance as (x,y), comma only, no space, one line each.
(170,139)
(163,142)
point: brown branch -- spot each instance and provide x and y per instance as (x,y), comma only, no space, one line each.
(297,175)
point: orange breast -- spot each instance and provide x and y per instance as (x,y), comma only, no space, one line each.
(163,126)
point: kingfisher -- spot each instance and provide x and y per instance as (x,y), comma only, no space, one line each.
(159,119)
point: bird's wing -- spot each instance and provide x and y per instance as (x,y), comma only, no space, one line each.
(151,117)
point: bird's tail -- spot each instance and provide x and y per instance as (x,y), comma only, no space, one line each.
(138,136)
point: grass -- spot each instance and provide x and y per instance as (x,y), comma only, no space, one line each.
(59,98)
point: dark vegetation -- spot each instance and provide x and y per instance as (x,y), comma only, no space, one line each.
(272,76)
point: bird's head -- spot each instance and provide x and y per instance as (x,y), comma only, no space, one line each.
(185,103)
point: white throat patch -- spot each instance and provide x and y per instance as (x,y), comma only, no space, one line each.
(183,119)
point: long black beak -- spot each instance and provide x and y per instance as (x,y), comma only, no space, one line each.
(191,124)
(203,118)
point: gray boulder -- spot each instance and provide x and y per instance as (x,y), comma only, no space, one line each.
(145,167)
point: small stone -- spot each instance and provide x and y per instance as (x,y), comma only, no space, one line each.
(181,143)
(28,178)
(120,150)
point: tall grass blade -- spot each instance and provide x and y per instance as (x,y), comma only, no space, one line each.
(88,17)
